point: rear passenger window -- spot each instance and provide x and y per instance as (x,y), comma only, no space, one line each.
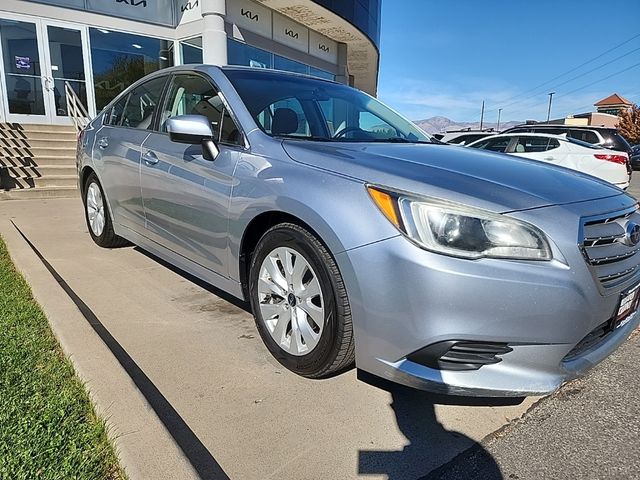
(114,116)
(141,104)
(553,143)
(532,144)
(496,144)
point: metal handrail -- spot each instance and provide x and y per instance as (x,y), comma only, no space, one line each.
(75,109)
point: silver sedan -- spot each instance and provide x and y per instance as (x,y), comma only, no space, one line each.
(356,237)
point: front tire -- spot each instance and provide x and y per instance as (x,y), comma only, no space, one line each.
(299,302)
(97,215)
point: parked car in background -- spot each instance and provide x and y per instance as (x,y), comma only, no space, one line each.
(602,136)
(447,269)
(635,157)
(603,163)
(464,137)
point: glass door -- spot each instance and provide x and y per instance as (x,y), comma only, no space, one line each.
(23,82)
(66,64)
(38,57)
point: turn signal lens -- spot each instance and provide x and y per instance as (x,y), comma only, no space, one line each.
(386,203)
(621,159)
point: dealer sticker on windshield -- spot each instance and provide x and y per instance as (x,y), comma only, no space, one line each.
(628,305)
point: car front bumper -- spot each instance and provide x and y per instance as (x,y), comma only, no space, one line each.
(404,298)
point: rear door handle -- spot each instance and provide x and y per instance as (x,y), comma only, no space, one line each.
(550,159)
(103,142)
(150,158)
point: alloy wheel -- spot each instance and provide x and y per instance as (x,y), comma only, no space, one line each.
(95,209)
(291,301)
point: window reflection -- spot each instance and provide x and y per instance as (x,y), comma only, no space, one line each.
(120,59)
(67,65)
(22,67)
(191,50)
(239,53)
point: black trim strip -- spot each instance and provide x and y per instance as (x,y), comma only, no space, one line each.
(200,458)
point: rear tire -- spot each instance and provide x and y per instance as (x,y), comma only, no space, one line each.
(96,213)
(301,310)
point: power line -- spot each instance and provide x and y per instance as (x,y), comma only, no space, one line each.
(539,103)
(597,68)
(565,73)
(600,80)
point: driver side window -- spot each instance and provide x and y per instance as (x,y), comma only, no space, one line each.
(194,95)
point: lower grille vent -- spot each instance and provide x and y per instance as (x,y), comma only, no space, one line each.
(460,355)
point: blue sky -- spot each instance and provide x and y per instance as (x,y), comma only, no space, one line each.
(445,57)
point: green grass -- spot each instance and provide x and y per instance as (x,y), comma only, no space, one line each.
(48,427)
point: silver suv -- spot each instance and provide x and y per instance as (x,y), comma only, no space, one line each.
(356,238)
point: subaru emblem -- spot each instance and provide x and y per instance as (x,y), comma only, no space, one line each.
(633,234)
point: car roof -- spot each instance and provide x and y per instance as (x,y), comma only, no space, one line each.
(527,134)
(562,125)
(269,72)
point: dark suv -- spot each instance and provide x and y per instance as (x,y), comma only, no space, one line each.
(603,136)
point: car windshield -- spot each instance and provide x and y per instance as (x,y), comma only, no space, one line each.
(312,109)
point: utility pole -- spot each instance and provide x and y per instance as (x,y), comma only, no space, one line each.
(498,126)
(482,115)
(551,94)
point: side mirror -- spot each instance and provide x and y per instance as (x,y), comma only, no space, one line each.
(193,129)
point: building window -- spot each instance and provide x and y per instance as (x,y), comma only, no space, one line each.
(191,50)
(239,53)
(242,54)
(120,59)
(282,63)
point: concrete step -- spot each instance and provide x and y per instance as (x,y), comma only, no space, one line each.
(50,161)
(56,181)
(39,192)
(38,152)
(42,171)
(53,142)
(35,127)
(38,135)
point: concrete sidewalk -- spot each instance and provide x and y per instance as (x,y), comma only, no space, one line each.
(188,387)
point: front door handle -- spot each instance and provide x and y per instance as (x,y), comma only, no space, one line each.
(103,142)
(150,158)
(549,159)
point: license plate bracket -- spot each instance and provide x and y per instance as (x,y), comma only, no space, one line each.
(627,306)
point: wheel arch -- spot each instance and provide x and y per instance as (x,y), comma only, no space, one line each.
(257,227)
(84,176)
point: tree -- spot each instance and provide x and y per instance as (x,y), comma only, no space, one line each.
(629,124)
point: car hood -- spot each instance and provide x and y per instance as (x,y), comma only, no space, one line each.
(495,182)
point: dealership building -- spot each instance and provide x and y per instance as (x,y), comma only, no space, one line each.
(99,47)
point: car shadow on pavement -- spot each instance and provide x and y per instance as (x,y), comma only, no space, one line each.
(429,444)
(201,283)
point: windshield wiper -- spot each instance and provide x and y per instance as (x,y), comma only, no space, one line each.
(397,140)
(313,138)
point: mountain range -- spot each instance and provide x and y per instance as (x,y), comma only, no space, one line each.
(443,124)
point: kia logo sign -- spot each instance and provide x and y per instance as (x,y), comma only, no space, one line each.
(189,6)
(249,15)
(323,47)
(133,3)
(290,33)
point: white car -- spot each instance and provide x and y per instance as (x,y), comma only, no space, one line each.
(464,137)
(603,163)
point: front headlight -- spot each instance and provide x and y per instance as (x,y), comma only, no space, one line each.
(461,231)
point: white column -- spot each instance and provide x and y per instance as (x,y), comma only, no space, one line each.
(214,38)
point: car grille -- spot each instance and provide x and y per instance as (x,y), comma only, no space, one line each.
(613,260)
